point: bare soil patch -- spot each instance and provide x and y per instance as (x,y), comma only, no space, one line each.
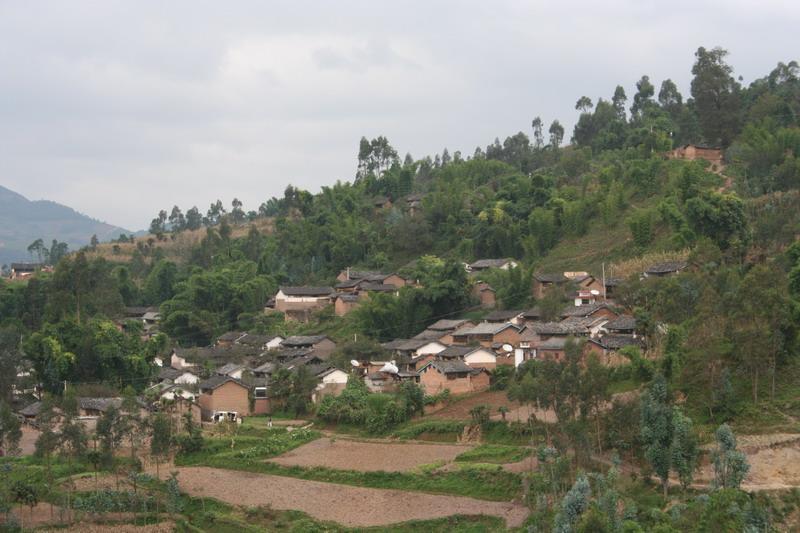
(345,454)
(774,462)
(459,409)
(44,514)
(346,505)
(88,527)
(28,441)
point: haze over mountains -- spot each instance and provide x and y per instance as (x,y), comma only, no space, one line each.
(22,221)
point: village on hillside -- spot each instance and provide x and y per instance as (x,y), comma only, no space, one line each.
(458,355)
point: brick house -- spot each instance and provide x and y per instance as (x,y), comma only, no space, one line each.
(331,382)
(223,394)
(345,303)
(486,334)
(320,345)
(693,152)
(608,346)
(229,338)
(623,324)
(485,294)
(474,356)
(456,376)
(297,303)
(543,282)
(485,264)
(350,279)
(24,270)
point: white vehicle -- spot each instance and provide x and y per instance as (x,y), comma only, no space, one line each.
(225,416)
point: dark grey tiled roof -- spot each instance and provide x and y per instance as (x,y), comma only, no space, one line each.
(488,263)
(99,404)
(307,291)
(451,367)
(533,313)
(616,342)
(455,352)
(429,334)
(622,322)
(254,339)
(31,409)
(395,344)
(502,315)
(231,336)
(486,328)
(216,381)
(554,343)
(303,340)
(377,287)
(583,310)
(556,328)
(557,277)
(448,325)
(169,373)
(228,368)
(666,267)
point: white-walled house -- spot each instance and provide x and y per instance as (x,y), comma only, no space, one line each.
(332,381)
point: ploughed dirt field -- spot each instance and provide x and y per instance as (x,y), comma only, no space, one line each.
(344,504)
(345,454)
(84,527)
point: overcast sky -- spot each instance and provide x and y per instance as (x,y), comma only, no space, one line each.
(119,109)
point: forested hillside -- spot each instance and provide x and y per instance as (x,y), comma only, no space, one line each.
(721,336)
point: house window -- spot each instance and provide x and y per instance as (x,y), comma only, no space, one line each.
(261,392)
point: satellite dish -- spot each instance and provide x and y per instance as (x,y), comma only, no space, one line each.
(355,363)
(595,292)
(507,348)
(389,368)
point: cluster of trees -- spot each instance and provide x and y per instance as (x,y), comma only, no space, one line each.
(63,438)
(731,327)
(48,255)
(176,221)
(378,413)
(661,438)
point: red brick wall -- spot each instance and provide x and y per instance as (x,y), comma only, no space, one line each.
(480,382)
(434,382)
(227,397)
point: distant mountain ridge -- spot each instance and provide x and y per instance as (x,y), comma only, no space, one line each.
(22,221)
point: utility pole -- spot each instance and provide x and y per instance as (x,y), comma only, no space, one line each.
(604,282)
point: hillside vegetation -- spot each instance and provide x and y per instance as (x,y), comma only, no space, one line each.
(721,337)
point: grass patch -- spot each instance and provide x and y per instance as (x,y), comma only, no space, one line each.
(625,385)
(431,427)
(253,445)
(494,453)
(510,433)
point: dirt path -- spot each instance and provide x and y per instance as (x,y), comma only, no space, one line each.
(27,443)
(368,456)
(346,505)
